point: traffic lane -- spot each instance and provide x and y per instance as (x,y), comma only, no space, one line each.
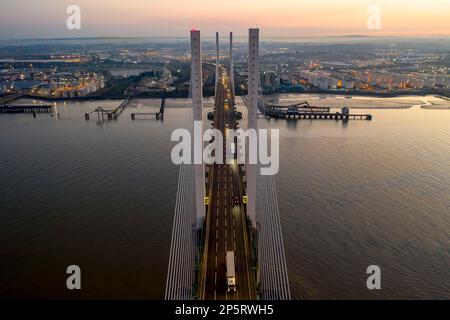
(210,268)
(231,230)
(217,251)
(216,247)
(231,227)
(221,285)
(224,187)
(242,255)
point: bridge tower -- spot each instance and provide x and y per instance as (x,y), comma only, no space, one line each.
(197,105)
(231,71)
(253,82)
(217,64)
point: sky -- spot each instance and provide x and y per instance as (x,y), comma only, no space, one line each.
(174,18)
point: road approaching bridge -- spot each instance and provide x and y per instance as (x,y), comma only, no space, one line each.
(226,220)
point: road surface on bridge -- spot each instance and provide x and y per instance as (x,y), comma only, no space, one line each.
(227,226)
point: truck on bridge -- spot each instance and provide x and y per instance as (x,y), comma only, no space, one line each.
(231,273)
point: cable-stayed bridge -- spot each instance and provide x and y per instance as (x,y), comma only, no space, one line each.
(227,240)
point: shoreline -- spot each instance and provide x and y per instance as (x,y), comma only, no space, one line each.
(313,96)
(432,107)
(274,94)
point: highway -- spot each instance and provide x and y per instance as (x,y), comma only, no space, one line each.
(226,222)
(222,231)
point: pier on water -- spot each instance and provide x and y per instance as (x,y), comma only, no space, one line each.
(159,115)
(302,107)
(27,108)
(111,114)
(319,115)
(305,111)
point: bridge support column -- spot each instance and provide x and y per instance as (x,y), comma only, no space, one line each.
(253,85)
(217,64)
(231,71)
(197,105)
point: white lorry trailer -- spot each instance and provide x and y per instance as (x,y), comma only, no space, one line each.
(231,272)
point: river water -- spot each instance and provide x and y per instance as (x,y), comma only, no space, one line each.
(101,195)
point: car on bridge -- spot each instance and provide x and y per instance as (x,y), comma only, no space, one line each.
(237,200)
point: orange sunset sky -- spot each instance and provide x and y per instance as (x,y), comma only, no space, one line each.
(173,18)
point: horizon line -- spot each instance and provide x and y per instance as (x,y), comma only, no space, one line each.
(236,36)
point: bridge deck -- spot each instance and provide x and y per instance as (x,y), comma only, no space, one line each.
(226,222)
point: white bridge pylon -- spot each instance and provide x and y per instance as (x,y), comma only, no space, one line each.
(197,106)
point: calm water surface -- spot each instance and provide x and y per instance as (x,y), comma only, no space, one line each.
(102,196)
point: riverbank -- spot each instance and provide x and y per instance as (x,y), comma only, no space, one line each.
(441,103)
(360,102)
(433,107)
(156,95)
(431,102)
(112,94)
